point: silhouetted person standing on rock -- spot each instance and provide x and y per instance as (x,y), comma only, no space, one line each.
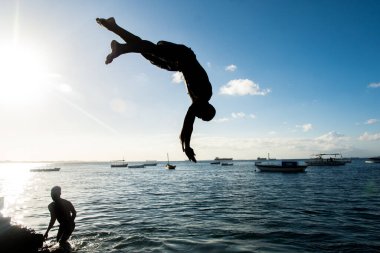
(63,211)
(172,57)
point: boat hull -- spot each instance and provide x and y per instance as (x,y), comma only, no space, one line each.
(136,166)
(281,166)
(45,170)
(170,167)
(325,163)
(373,159)
(119,165)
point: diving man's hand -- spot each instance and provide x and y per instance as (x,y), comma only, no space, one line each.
(190,154)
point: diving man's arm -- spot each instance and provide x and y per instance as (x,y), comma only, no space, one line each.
(186,132)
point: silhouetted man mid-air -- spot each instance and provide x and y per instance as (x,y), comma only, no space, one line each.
(63,211)
(172,57)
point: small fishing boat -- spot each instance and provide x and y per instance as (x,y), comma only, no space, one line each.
(168,165)
(281,166)
(45,169)
(119,163)
(226,164)
(215,163)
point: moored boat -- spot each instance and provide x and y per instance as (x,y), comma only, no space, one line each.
(45,170)
(150,163)
(226,164)
(281,166)
(223,159)
(334,159)
(136,166)
(375,159)
(168,165)
(119,163)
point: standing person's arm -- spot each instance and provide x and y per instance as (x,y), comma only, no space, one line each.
(186,132)
(73,211)
(53,218)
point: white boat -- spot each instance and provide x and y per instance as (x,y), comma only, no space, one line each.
(281,166)
(119,163)
(375,159)
(334,159)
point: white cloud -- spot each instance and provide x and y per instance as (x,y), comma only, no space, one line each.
(369,137)
(371,121)
(374,85)
(243,87)
(225,119)
(331,137)
(231,68)
(305,127)
(177,77)
(238,115)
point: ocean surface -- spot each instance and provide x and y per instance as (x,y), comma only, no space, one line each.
(202,207)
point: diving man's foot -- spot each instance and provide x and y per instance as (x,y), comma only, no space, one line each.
(115,51)
(108,23)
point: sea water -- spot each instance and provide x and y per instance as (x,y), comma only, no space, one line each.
(203,207)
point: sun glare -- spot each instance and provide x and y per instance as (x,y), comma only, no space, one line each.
(23,75)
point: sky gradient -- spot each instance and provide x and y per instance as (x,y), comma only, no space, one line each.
(290,78)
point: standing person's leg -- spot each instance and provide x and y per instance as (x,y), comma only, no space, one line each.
(60,232)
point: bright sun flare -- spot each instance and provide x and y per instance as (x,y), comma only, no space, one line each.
(23,75)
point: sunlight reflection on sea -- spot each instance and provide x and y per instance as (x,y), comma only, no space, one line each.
(204,208)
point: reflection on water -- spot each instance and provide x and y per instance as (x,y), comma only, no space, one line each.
(14,178)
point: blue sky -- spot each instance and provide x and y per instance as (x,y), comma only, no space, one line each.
(290,78)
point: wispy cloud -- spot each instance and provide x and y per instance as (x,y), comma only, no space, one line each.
(369,137)
(177,77)
(331,136)
(236,116)
(230,68)
(374,85)
(224,119)
(243,87)
(242,115)
(371,121)
(305,127)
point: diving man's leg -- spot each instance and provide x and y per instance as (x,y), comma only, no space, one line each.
(111,25)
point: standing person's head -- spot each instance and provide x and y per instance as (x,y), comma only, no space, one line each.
(55,193)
